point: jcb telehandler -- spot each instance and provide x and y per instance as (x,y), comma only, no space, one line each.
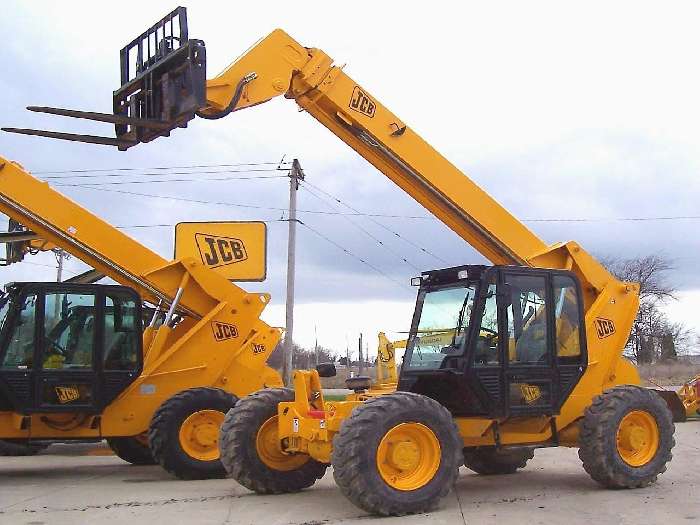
(76,362)
(535,356)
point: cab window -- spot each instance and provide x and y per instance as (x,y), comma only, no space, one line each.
(20,348)
(568,319)
(527,320)
(121,333)
(69,331)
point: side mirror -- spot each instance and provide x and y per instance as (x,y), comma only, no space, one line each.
(326,369)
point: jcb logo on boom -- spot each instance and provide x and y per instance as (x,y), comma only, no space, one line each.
(223,331)
(604,327)
(220,251)
(258,348)
(361,102)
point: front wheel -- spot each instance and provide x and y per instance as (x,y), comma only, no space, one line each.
(250,448)
(626,437)
(184,433)
(397,454)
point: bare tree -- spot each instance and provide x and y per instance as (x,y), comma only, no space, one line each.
(649,271)
(653,337)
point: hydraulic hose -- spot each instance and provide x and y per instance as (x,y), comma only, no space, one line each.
(234,100)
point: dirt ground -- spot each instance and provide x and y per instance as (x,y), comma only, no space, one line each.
(84,484)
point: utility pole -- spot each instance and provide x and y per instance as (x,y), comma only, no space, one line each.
(59,259)
(347,356)
(361,366)
(60,255)
(316,344)
(295,175)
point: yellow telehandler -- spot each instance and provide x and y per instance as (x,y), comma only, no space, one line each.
(535,354)
(76,362)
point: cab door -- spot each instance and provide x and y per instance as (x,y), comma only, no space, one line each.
(90,347)
(121,356)
(543,341)
(530,376)
(68,350)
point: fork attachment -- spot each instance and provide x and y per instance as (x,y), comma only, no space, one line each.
(163,84)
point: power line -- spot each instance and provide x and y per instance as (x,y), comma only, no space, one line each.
(424,250)
(351,254)
(392,216)
(619,219)
(363,230)
(139,226)
(194,166)
(47,266)
(207,179)
(163,174)
(240,205)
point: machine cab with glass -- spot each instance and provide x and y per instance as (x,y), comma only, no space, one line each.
(496,341)
(67,347)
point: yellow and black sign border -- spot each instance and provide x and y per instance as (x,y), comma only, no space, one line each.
(264,224)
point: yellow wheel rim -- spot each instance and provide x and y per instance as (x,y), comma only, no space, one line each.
(638,438)
(267,445)
(199,435)
(408,456)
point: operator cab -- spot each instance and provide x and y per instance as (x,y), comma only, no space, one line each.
(496,341)
(67,347)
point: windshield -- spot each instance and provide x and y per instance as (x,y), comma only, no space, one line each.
(442,326)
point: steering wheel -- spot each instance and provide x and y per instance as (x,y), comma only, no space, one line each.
(56,345)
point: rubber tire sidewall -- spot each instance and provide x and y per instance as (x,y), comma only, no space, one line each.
(608,466)
(164,434)
(239,450)
(19,449)
(390,501)
(131,450)
(489,461)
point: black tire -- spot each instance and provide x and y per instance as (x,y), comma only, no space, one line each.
(598,437)
(239,452)
(491,461)
(164,432)
(19,448)
(356,446)
(131,450)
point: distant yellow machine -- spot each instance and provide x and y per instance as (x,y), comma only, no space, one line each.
(689,395)
(77,363)
(387,378)
(535,354)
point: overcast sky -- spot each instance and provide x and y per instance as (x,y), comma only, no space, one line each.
(559,112)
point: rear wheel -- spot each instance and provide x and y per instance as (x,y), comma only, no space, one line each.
(397,454)
(490,460)
(132,449)
(19,448)
(626,437)
(250,448)
(184,433)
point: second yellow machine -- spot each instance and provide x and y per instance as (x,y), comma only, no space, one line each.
(77,364)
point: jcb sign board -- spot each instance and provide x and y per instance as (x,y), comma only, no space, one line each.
(236,250)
